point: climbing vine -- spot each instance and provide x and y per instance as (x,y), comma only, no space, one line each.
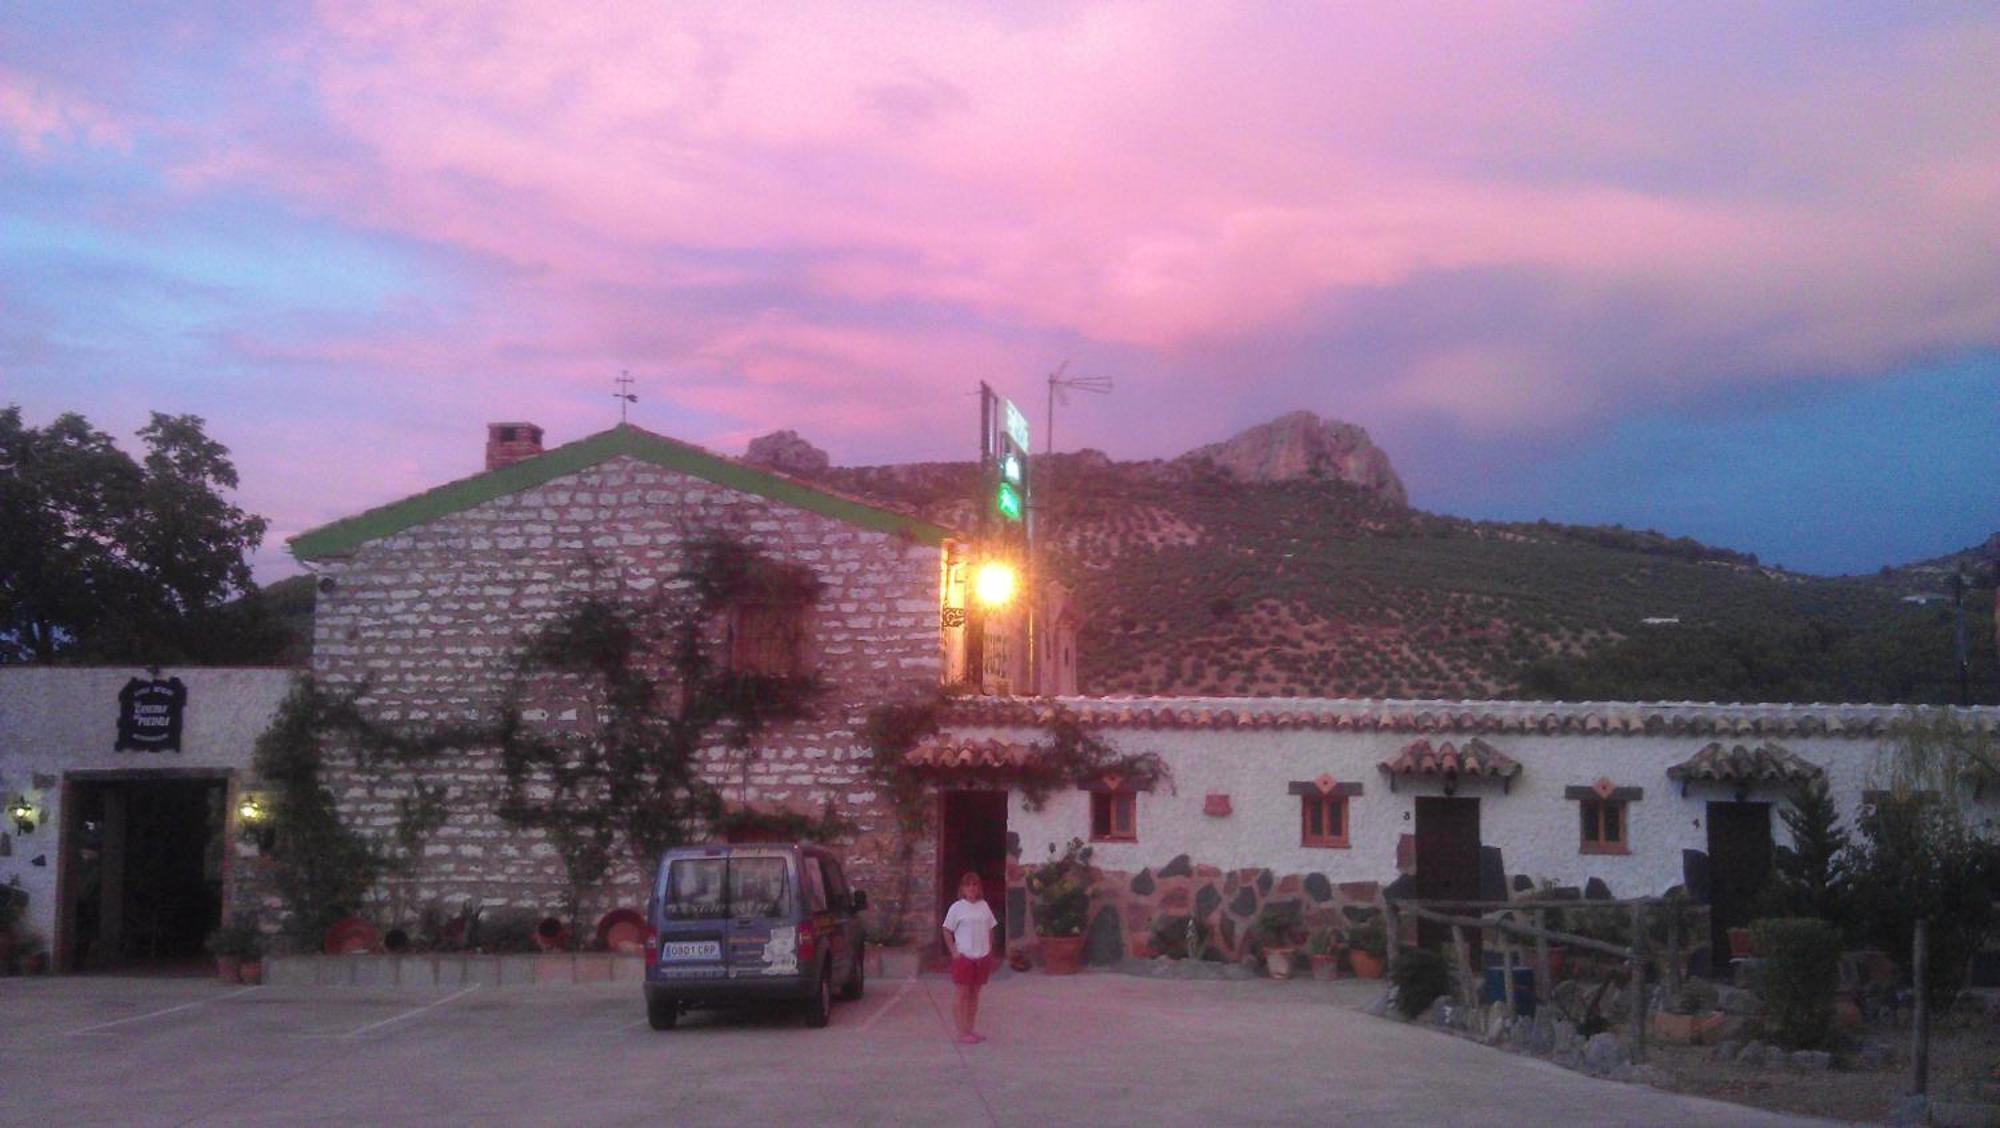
(639,691)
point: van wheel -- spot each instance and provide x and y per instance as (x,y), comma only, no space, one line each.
(851,990)
(661,1014)
(819,1008)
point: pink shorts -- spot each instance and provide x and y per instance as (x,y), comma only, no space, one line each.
(968,972)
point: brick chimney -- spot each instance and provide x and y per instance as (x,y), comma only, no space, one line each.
(508,443)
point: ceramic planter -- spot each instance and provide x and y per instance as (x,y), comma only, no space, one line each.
(250,972)
(1062,955)
(1365,966)
(1278,962)
(227,968)
(1325,965)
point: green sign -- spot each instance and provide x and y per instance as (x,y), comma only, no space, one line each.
(1008,500)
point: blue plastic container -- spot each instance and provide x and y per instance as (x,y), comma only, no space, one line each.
(1495,989)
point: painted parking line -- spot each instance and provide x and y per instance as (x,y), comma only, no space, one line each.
(158,1013)
(872,1019)
(412,1013)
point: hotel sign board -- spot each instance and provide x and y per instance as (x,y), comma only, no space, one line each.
(149,715)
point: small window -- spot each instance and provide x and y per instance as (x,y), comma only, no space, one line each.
(1323,821)
(769,639)
(1113,816)
(1603,826)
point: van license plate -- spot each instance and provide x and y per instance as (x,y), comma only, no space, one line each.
(693,949)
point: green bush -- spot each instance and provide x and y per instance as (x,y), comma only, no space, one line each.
(1800,973)
(1179,937)
(1420,976)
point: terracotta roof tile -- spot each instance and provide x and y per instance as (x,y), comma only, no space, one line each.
(1473,758)
(1737,763)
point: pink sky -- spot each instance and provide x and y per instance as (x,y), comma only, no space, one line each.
(1492,234)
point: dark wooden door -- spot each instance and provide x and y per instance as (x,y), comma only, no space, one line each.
(1739,862)
(1447,858)
(972,835)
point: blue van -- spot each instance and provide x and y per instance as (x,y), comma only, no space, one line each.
(749,922)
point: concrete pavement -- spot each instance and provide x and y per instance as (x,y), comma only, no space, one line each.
(1103,1049)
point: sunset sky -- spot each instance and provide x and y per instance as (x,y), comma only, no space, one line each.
(1728,270)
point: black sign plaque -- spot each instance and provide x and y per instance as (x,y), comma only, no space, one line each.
(149,715)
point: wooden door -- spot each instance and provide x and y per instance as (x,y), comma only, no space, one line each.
(1739,862)
(972,835)
(1447,858)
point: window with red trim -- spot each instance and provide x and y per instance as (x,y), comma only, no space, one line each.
(1114,816)
(1603,826)
(1323,820)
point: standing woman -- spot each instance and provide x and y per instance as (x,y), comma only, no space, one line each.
(968,936)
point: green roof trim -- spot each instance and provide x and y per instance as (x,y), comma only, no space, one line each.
(344,536)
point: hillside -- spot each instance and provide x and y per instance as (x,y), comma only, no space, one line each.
(1195,581)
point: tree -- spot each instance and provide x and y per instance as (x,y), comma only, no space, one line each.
(1809,878)
(115,560)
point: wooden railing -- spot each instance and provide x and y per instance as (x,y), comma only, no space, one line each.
(1506,917)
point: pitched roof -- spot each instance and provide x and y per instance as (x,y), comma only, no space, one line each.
(344,536)
(947,752)
(1473,758)
(1766,763)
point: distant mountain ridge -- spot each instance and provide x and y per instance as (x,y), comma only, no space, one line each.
(1285,562)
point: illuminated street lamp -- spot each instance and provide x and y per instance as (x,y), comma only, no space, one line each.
(995,583)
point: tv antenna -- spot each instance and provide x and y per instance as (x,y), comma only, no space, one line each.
(1060,385)
(624,394)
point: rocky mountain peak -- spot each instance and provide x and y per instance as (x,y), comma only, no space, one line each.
(1302,445)
(787,453)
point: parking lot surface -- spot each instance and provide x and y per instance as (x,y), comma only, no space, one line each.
(1100,1048)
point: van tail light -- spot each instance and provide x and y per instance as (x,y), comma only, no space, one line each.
(652,948)
(806,942)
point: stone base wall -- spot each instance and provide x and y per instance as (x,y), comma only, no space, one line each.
(1125,906)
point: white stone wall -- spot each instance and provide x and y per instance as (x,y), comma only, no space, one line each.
(1532,823)
(61,723)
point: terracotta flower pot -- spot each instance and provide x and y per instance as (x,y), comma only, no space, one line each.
(1062,955)
(227,968)
(1325,965)
(1365,966)
(250,972)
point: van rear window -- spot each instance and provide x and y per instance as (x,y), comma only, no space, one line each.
(713,888)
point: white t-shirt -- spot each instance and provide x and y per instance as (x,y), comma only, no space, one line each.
(971,926)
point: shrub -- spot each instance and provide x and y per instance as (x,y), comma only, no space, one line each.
(1060,888)
(239,939)
(1801,970)
(1370,936)
(1277,926)
(1420,976)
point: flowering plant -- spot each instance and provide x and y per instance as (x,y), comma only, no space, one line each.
(1061,890)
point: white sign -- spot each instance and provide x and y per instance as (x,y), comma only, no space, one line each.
(1017,424)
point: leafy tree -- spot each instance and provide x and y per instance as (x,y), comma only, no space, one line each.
(110,559)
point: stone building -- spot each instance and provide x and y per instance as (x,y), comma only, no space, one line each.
(424,602)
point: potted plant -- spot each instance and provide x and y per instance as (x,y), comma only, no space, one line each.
(232,945)
(1323,953)
(1060,889)
(1276,933)
(1367,948)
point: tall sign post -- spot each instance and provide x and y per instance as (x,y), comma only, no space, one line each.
(1007,517)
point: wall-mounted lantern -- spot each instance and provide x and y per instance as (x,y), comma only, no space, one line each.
(25,813)
(253,819)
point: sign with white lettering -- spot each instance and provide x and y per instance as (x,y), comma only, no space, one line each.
(149,715)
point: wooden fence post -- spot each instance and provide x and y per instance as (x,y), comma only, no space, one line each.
(1469,991)
(1638,984)
(1545,984)
(1920,1034)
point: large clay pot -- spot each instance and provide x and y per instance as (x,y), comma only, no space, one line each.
(1062,955)
(1365,966)
(228,968)
(1325,965)
(250,972)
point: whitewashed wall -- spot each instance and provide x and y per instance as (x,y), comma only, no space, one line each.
(55,721)
(1532,823)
